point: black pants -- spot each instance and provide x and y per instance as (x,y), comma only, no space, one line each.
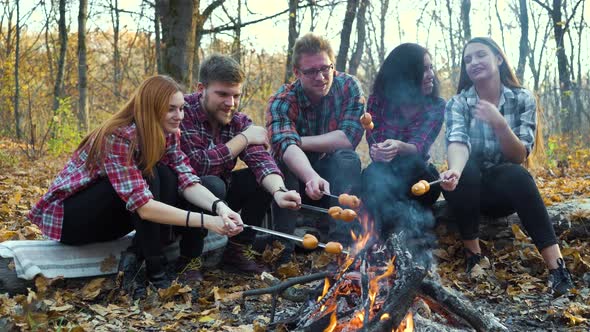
(342,169)
(500,191)
(386,192)
(98,214)
(243,194)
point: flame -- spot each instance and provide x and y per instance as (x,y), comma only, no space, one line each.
(385,316)
(374,283)
(326,288)
(407,325)
(333,323)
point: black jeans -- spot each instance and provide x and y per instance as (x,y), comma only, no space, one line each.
(386,192)
(500,191)
(244,194)
(97,214)
(342,169)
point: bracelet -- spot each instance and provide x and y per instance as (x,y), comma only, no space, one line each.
(188,214)
(214,206)
(202,220)
(282,189)
(246,138)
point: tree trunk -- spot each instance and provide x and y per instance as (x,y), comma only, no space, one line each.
(454,69)
(382,22)
(178,32)
(82,66)
(63,41)
(158,41)
(17,115)
(465,9)
(237,44)
(200,22)
(357,54)
(345,34)
(115,19)
(523,46)
(500,24)
(565,83)
(293,34)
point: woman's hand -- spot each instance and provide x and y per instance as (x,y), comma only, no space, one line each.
(385,151)
(488,113)
(232,220)
(287,199)
(450,179)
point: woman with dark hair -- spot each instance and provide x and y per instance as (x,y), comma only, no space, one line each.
(490,132)
(407,114)
(127,174)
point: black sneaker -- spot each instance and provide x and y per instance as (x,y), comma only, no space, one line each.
(560,280)
(471,260)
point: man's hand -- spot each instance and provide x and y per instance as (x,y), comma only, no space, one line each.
(256,135)
(315,187)
(450,180)
(287,199)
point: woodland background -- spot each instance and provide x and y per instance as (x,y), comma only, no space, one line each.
(66,66)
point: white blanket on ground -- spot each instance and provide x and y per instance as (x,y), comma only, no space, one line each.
(53,259)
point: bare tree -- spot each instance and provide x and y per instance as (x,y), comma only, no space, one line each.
(58,90)
(349,15)
(357,54)
(82,66)
(201,18)
(500,25)
(17,115)
(523,45)
(293,34)
(537,47)
(116,22)
(465,9)
(565,83)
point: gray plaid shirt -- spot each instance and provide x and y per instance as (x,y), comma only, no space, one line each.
(517,105)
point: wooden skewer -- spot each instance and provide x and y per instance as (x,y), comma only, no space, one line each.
(435,182)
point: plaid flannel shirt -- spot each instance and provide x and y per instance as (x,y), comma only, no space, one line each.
(517,105)
(209,155)
(290,115)
(124,175)
(421,130)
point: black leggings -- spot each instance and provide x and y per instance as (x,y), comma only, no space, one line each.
(500,191)
(386,191)
(97,214)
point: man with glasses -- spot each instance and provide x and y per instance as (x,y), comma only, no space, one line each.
(213,135)
(314,127)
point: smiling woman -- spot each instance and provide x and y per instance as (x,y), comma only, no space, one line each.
(126,175)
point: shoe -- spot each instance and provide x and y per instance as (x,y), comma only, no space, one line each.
(471,259)
(188,270)
(560,279)
(130,265)
(286,256)
(242,258)
(156,272)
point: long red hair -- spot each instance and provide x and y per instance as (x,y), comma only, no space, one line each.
(146,108)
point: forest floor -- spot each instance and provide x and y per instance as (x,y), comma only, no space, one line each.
(513,288)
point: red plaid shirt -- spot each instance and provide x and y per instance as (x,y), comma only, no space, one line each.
(290,115)
(421,130)
(124,175)
(209,155)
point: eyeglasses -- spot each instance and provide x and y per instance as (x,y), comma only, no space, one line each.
(313,72)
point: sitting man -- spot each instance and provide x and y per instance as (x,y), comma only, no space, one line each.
(214,135)
(314,128)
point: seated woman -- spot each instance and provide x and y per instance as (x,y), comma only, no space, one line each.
(127,174)
(490,131)
(407,115)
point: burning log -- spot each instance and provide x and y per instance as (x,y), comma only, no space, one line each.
(455,303)
(402,294)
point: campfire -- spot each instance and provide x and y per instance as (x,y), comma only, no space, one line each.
(374,288)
